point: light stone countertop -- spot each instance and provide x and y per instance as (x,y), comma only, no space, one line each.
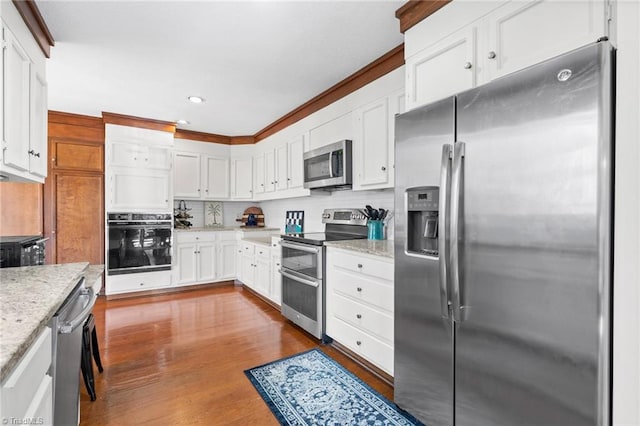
(227,229)
(91,275)
(382,248)
(29,297)
(265,241)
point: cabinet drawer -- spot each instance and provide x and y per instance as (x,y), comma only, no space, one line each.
(20,387)
(195,237)
(263,252)
(226,235)
(137,282)
(364,265)
(361,316)
(42,404)
(362,289)
(247,248)
(363,344)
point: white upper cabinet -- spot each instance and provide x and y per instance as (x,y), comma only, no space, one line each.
(281,175)
(200,176)
(140,156)
(215,177)
(24,100)
(241,178)
(186,183)
(493,39)
(525,33)
(373,143)
(446,67)
(258,174)
(269,171)
(295,169)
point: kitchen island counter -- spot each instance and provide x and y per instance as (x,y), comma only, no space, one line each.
(29,297)
(382,248)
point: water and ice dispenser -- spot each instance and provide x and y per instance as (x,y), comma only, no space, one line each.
(422,220)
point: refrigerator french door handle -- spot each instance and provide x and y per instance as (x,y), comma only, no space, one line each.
(456,304)
(443,258)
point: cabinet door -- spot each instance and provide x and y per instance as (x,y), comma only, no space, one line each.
(125,155)
(16,81)
(38,125)
(216,179)
(258,173)
(371,145)
(156,157)
(276,279)
(227,260)
(241,178)
(525,33)
(186,167)
(296,163)
(442,69)
(262,276)
(187,263)
(269,171)
(281,172)
(239,256)
(248,271)
(206,261)
(132,191)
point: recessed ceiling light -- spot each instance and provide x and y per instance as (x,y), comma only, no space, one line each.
(196,99)
(182,122)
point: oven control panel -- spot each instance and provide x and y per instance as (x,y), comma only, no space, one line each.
(344,217)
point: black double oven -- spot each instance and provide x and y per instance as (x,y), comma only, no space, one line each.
(138,242)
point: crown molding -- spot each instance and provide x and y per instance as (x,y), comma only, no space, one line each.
(145,123)
(415,11)
(201,136)
(35,22)
(60,117)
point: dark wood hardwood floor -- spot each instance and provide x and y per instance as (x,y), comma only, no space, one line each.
(179,358)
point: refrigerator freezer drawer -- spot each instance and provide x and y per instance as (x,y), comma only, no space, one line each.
(373,350)
(361,288)
(374,267)
(368,319)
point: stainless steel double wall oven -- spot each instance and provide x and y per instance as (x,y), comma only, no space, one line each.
(303,267)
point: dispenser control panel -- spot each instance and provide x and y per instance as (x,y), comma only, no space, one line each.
(422,220)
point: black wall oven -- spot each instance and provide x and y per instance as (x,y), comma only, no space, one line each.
(138,242)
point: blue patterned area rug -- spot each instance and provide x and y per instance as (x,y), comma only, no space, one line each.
(312,389)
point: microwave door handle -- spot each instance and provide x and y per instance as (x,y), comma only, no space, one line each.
(331,164)
(298,279)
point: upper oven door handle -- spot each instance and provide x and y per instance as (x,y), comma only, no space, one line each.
(298,279)
(301,247)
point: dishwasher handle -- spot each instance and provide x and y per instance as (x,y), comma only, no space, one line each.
(70,326)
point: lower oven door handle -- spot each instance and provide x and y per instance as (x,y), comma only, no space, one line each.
(298,279)
(300,247)
(70,326)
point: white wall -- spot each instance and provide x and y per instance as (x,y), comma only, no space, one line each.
(230,211)
(626,268)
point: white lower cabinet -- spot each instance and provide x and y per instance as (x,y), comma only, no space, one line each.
(276,278)
(204,257)
(259,268)
(359,305)
(27,392)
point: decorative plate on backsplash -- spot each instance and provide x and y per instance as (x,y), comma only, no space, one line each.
(213,213)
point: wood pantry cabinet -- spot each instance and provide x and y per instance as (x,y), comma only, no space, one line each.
(204,257)
(23,155)
(492,43)
(73,191)
(359,305)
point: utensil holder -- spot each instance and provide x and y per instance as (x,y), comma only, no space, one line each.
(375,230)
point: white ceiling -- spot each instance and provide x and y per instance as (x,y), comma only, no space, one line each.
(253,62)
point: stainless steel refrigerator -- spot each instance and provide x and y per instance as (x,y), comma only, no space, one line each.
(503,255)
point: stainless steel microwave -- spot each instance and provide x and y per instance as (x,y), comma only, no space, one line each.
(328,167)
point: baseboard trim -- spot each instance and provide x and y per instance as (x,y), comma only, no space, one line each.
(259,296)
(161,291)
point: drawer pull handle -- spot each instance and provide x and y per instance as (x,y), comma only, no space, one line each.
(359,289)
(358,342)
(358,316)
(359,265)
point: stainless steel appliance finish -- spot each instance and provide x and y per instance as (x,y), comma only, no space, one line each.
(24,250)
(509,322)
(139,242)
(67,346)
(303,267)
(329,167)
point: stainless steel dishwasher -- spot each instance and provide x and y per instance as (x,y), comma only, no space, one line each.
(67,346)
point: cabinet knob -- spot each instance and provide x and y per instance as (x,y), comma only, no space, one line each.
(198,189)
(358,342)
(31,152)
(358,316)
(277,264)
(37,154)
(359,265)
(467,65)
(288,178)
(262,184)
(135,158)
(359,289)
(206,190)
(492,55)
(141,284)
(383,168)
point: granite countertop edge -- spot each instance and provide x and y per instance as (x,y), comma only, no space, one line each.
(226,229)
(30,296)
(382,248)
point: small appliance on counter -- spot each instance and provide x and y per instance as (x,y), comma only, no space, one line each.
(252,218)
(182,216)
(22,251)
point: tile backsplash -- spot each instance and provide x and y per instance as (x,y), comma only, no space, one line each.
(275,210)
